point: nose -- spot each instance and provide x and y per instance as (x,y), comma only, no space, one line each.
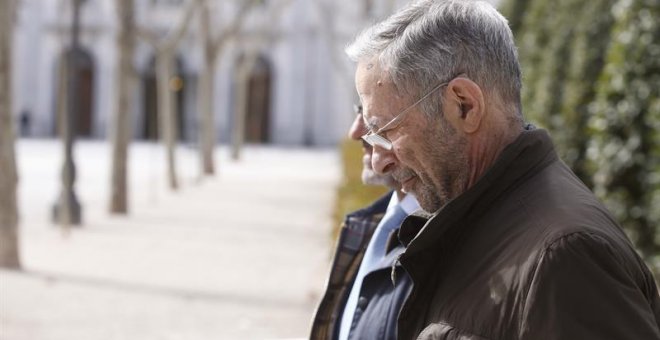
(383,161)
(358,129)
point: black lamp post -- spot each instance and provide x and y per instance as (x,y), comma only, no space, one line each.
(67,209)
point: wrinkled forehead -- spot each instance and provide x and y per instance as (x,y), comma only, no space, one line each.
(369,74)
(377,93)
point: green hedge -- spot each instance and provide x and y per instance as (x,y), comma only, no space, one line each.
(591,76)
(625,124)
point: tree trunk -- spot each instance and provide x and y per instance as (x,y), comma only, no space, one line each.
(205,103)
(164,66)
(240,104)
(9,257)
(165,51)
(207,128)
(121,136)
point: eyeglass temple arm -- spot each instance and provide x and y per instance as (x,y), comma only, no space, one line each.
(402,114)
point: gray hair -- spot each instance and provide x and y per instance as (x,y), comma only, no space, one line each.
(432,41)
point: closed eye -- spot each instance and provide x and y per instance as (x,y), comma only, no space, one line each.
(370,126)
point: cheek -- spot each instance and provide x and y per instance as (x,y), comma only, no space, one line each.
(411,139)
(406,152)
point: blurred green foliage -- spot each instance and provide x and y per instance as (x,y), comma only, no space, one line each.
(583,68)
(591,76)
(513,10)
(352,194)
(625,123)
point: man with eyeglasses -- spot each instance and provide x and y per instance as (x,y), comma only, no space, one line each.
(515,246)
(363,298)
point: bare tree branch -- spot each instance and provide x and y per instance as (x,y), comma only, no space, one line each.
(335,53)
(232,30)
(149,36)
(174,37)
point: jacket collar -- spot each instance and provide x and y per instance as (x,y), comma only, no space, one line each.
(532,150)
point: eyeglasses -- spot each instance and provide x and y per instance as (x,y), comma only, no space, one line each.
(376,138)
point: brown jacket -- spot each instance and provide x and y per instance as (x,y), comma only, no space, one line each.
(527,253)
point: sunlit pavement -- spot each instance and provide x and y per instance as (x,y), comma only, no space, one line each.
(242,255)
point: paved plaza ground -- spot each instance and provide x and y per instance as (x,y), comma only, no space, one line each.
(242,255)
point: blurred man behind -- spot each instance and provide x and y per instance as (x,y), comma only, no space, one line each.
(366,286)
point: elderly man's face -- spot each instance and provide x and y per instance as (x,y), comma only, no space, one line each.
(428,157)
(369,176)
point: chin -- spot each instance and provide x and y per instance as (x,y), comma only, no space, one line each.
(428,200)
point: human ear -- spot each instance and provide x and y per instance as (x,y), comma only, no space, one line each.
(468,99)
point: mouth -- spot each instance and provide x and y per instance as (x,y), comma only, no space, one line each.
(408,184)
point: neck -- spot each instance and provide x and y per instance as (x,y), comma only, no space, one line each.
(486,149)
(400,194)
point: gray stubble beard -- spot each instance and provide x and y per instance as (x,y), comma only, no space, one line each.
(451,174)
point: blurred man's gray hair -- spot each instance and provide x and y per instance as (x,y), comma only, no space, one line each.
(432,41)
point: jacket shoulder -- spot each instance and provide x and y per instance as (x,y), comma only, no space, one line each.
(555,203)
(583,279)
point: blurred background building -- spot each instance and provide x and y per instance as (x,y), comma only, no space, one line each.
(300,89)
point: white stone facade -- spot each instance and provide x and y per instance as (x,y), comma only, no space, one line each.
(311,91)
(311,94)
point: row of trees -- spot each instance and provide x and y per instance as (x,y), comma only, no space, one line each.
(166,48)
(215,36)
(591,75)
